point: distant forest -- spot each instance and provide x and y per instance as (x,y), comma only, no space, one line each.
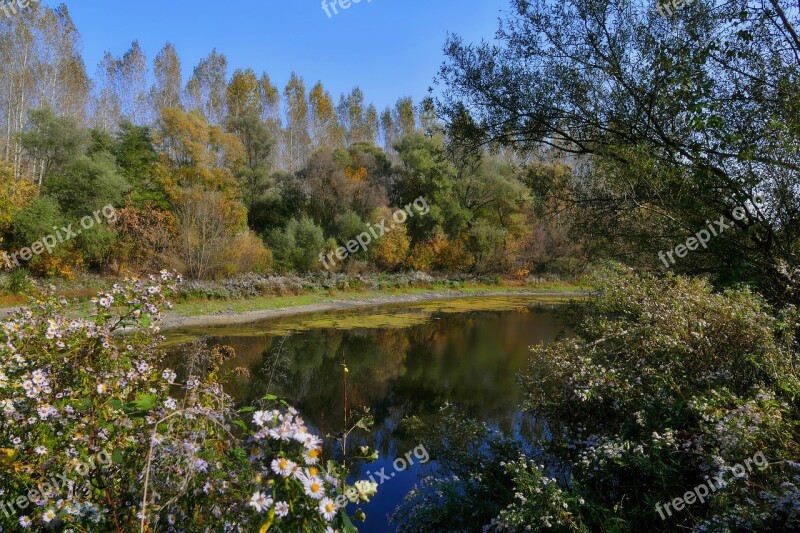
(227,173)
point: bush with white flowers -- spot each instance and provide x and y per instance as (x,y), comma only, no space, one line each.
(73,389)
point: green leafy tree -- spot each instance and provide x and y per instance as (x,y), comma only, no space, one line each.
(297,246)
(51,141)
(86,184)
(136,157)
(676,121)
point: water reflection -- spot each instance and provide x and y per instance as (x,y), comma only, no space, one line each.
(428,359)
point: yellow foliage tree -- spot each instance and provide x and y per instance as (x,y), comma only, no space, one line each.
(392,249)
(196,154)
(425,254)
(15,193)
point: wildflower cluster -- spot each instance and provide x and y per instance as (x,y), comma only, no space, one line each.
(62,379)
(182,458)
(539,503)
(689,382)
(287,451)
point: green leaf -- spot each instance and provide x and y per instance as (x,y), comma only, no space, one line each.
(82,404)
(117,457)
(208,455)
(348,525)
(144,402)
(116,403)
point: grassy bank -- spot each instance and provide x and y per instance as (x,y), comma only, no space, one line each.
(197,306)
(258,293)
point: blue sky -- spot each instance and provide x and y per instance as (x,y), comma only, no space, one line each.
(390,48)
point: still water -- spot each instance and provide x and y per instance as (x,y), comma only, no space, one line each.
(408,360)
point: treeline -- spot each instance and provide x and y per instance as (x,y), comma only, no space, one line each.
(678,123)
(226,173)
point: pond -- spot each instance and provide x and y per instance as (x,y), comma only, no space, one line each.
(405,360)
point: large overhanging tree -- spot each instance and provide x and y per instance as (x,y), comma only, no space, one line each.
(672,121)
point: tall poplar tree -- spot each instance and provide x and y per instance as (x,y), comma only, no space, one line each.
(166,90)
(131,77)
(406,116)
(206,88)
(325,127)
(298,140)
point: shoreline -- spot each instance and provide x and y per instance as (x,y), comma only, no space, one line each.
(174,321)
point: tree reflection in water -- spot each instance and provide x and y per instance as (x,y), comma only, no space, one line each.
(442,361)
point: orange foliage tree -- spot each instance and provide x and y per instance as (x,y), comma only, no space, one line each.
(196,160)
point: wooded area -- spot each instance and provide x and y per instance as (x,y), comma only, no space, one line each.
(227,173)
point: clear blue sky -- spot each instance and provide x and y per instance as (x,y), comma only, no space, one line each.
(390,48)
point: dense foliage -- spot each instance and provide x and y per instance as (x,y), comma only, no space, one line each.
(690,384)
(671,122)
(226,174)
(97,434)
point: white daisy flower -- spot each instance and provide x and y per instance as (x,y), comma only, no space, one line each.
(260,418)
(327,508)
(311,457)
(260,502)
(313,487)
(283,466)
(282,509)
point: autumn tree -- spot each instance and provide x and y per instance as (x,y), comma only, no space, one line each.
(297,138)
(168,82)
(196,153)
(352,115)
(405,116)
(207,87)
(371,125)
(15,194)
(243,95)
(325,127)
(208,224)
(197,159)
(272,116)
(390,131)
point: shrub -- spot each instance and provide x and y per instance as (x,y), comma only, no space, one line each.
(86,411)
(689,383)
(391,250)
(147,238)
(251,255)
(663,385)
(18,282)
(425,254)
(298,246)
